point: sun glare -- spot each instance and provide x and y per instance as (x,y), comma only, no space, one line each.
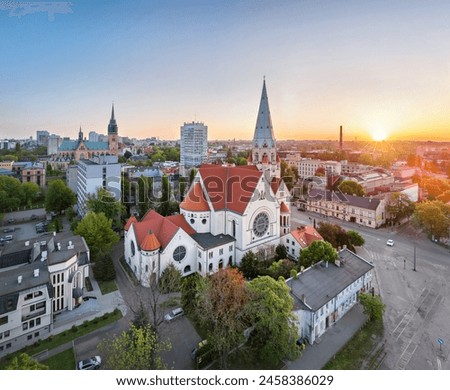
(379,135)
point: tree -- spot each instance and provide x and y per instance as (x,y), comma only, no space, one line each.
(25,362)
(127,154)
(136,349)
(399,206)
(59,197)
(354,238)
(250,265)
(97,231)
(105,202)
(270,308)
(192,174)
(170,280)
(104,267)
(434,217)
(373,306)
(165,205)
(289,174)
(145,194)
(317,251)
(281,252)
(11,193)
(30,192)
(351,187)
(334,234)
(191,287)
(282,268)
(221,307)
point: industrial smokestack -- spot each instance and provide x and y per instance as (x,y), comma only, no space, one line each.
(340,137)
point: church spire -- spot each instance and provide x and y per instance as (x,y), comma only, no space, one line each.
(112,127)
(263,136)
(264,151)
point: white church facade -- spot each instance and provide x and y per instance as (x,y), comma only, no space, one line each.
(228,211)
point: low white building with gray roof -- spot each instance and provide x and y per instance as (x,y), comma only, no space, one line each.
(325,292)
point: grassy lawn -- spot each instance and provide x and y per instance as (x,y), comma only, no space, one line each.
(62,361)
(107,287)
(357,350)
(66,336)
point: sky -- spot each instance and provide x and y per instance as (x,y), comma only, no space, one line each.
(378,68)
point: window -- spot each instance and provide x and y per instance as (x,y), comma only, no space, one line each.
(204,221)
(192,221)
(230,248)
(233,228)
(221,251)
(25,326)
(199,254)
(220,264)
(210,267)
(6,333)
(230,261)
(3,320)
(200,267)
(187,269)
(146,267)
(29,337)
(179,253)
(133,248)
(210,255)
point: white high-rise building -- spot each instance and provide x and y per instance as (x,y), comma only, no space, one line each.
(193,145)
(98,172)
(53,143)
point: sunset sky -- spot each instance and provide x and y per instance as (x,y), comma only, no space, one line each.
(375,67)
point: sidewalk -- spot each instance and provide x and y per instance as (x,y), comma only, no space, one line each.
(314,357)
(88,310)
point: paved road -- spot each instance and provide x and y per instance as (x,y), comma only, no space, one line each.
(180,333)
(417,308)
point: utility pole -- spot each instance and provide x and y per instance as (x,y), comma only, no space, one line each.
(415,257)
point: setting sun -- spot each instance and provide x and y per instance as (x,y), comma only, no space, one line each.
(379,134)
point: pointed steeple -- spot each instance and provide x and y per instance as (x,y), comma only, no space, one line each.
(112,127)
(264,148)
(80,135)
(264,137)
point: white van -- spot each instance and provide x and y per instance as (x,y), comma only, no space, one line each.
(175,313)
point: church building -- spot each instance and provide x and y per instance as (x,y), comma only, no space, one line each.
(82,149)
(228,211)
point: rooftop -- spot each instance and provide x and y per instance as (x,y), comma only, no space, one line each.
(319,284)
(208,241)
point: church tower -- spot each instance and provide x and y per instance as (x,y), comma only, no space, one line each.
(264,150)
(113,134)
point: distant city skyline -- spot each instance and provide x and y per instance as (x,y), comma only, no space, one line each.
(378,68)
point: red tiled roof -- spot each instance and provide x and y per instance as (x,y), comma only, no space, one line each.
(275,184)
(195,199)
(230,188)
(150,242)
(131,220)
(284,208)
(305,235)
(181,222)
(162,227)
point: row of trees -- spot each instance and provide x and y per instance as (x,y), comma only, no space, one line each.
(14,194)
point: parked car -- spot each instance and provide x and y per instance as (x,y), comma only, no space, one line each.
(6,238)
(173,314)
(9,230)
(390,242)
(33,217)
(11,220)
(92,363)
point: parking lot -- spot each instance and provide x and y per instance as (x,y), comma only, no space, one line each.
(21,225)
